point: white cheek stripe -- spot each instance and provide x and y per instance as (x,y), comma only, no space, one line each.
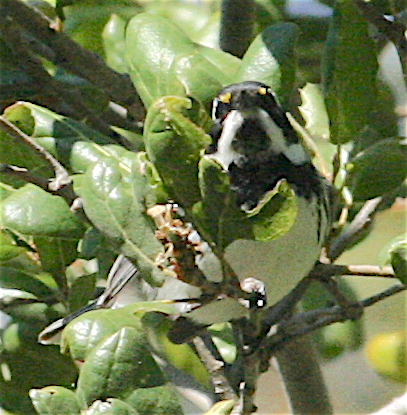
(225,154)
(294,152)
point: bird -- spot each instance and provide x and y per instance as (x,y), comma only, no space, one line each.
(256,146)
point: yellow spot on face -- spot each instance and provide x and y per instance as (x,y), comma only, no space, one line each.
(262,91)
(225,98)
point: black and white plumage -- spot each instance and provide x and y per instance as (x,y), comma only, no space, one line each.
(255,143)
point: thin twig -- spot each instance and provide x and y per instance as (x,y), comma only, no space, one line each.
(322,271)
(360,223)
(72,57)
(23,174)
(62,177)
(215,368)
(310,144)
(300,369)
(306,322)
(236,26)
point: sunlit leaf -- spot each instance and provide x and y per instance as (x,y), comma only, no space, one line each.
(349,80)
(54,400)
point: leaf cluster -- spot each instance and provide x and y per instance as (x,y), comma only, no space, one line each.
(89,147)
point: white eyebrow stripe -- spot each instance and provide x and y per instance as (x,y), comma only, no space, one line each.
(215,104)
(225,154)
(294,152)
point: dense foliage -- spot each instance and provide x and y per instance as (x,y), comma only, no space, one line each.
(106,111)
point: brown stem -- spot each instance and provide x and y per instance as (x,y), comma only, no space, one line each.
(69,55)
(360,223)
(215,369)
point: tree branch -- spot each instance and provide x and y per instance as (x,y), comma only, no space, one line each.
(69,55)
(215,368)
(360,223)
(303,381)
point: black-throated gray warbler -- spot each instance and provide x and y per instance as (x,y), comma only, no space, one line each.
(255,143)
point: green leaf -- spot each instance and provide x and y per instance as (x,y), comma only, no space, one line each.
(174,143)
(116,366)
(82,335)
(55,255)
(114,43)
(110,407)
(159,400)
(32,211)
(84,332)
(163,61)
(72,142)
(8,249)
(224,340)
(379,169)
(22,273)
(113,191)
(349,80)
(270,59)
(273,217)
(395,253)
(313,111)
(18,152)
(54,400)
(81,291)
(181,356)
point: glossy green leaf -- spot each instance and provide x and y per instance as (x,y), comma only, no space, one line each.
(23,273)
(8,249)
(82,335)
(114,204)
(110,407)
(33,211)
(54,400)
(270,59)
(85,20)
(163,61)
(159,400)
(273,217)
(313,111)
(174,142)
(73,143)
(379,169)
(181,356)
(14,278)
(18,152)
(349,80)
(224,340)
(85,331)
(114,43)
(116,366)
